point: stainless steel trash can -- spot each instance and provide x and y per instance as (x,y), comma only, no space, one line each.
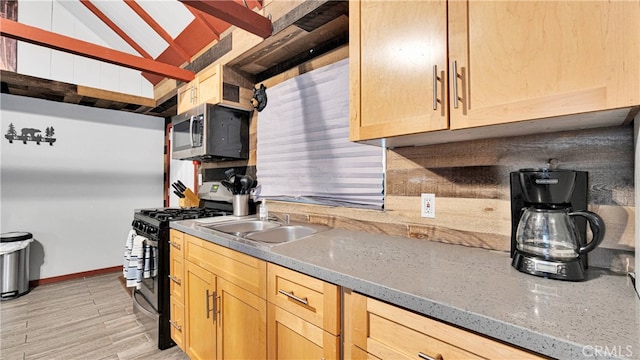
(14,264)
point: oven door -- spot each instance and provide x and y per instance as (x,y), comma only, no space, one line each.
(149,288)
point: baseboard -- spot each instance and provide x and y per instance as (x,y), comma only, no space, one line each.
(34,283)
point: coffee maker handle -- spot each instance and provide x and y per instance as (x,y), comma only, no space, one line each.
(597,230)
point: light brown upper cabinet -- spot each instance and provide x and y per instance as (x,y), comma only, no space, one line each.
(216,84)
(423,66)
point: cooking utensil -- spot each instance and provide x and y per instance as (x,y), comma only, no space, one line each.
(179,194)
(246,182)
(176,188)
(237,185)
(229,186)
(230,173)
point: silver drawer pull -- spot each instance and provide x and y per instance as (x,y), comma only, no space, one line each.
(175,279)
(175,245)
(427,357)
(175,325)
(292,296)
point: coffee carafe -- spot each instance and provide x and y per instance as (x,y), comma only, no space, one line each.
(548,235)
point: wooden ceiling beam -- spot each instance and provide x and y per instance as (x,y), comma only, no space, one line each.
(37,36)
(234,14)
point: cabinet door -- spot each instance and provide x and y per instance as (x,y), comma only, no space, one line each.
(291,338)
(187,96)
(242,323)
(200,311)
(397,59)
(210,85)
(521,60)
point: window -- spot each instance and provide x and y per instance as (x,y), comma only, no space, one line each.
(304,153)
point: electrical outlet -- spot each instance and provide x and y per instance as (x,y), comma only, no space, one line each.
(428,205)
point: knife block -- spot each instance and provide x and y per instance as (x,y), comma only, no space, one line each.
(189,202)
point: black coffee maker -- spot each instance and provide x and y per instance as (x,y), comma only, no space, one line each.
(548,237)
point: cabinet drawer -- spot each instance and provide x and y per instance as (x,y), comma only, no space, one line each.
(176,243)
(243,270)
(290,337)
(311,299)
(177,323)
(390,332)
(176,278)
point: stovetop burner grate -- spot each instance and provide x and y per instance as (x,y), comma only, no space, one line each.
(169,214)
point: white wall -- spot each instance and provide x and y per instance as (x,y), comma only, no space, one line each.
(78,196)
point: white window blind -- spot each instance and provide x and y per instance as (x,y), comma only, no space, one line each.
(304,153)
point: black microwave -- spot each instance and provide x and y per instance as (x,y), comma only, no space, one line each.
(211,132)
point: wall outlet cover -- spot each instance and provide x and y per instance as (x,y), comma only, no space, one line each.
(428,205)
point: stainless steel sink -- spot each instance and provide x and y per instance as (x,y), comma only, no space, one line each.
(243,227)
(268,232)
(282,233)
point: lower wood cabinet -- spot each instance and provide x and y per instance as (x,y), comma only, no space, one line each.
(304,316)
(200,312)
(242,323)
(225,308)
(377,330)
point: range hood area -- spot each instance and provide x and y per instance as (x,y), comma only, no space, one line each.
(309,30)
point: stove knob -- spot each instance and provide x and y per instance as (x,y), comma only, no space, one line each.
(152,230)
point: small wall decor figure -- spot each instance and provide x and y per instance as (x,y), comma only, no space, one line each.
(30,134)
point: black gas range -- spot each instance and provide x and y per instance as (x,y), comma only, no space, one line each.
(151,302)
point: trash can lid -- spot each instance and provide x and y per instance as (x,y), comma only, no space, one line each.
(15,236)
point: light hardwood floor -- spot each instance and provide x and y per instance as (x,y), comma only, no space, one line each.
(89,318)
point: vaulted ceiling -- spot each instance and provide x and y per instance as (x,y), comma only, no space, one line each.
(165,39)
(147,35)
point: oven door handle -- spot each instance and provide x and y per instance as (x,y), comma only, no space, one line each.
(151,242)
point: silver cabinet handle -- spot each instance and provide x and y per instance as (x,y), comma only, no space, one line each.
(175,279)
(175,325)
(175,245)
(214,304)
(194,95)
(427,357)
(292,296)
(435,87)
(455,84)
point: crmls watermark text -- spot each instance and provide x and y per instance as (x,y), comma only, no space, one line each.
(608,351)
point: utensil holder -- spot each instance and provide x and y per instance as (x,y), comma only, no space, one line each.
(241,205)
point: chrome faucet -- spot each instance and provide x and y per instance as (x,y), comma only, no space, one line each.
(284,219)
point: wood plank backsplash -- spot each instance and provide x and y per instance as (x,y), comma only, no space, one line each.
(471,183)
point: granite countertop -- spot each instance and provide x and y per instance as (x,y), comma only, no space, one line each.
(473,288)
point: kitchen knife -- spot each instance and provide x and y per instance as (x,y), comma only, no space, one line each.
(182,186)
(179,194)
(176,188)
